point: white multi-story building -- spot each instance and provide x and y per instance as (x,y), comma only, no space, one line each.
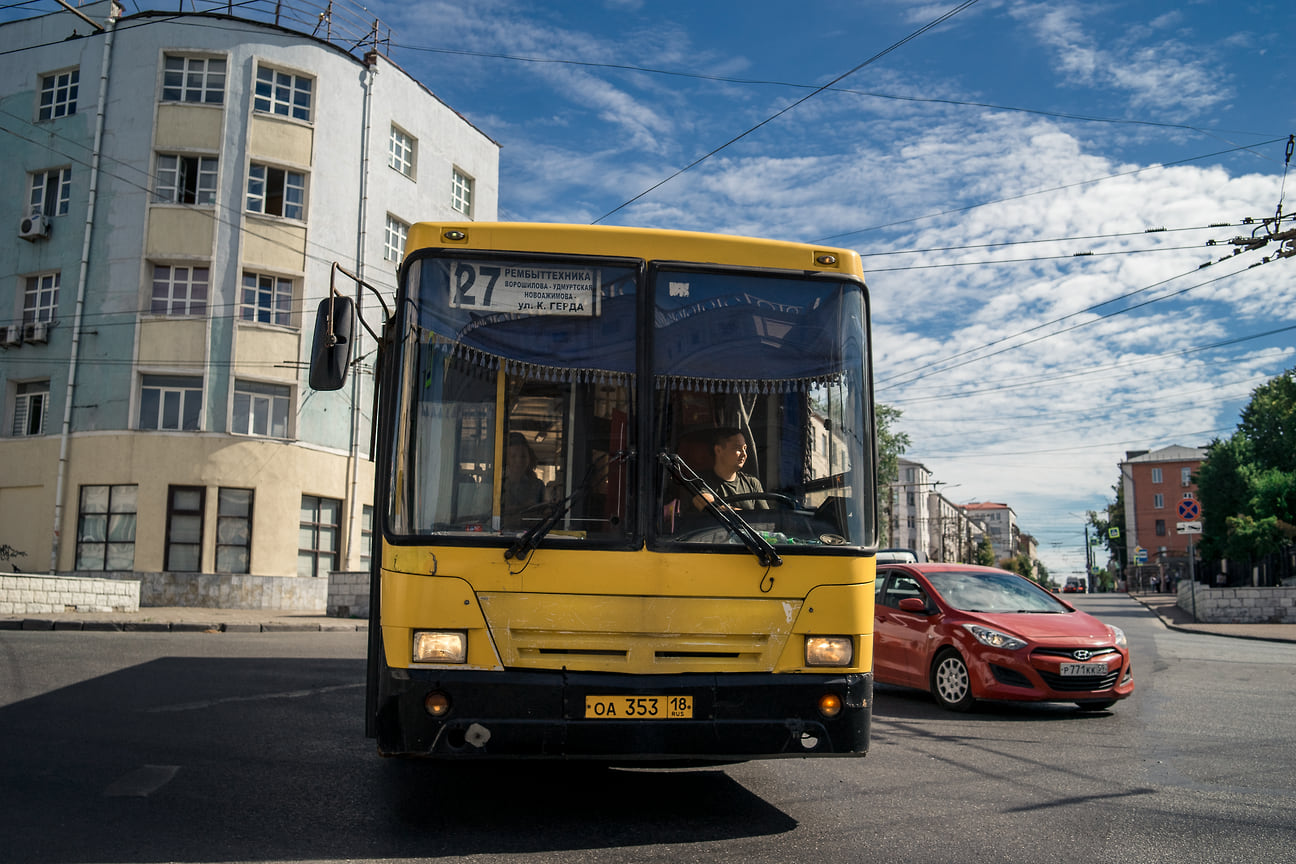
(179,185)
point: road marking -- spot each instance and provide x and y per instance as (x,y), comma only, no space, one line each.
(142,782)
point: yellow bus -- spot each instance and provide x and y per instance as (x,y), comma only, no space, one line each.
(625,506)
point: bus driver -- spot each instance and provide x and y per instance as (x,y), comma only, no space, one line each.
(726,477)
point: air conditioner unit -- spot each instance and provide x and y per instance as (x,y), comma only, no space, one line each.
(37,332)
(10,335)
(34,227)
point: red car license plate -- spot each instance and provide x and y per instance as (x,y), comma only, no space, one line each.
(1074,669)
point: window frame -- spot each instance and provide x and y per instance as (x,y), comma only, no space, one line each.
(462,188)
(57,96)
(273,395)
(206,85)
(279,311)
(203,168)
(395,233)
(275,186)
(115,493)
(172,512)
(402,152)
(276,97)
(315,552)
(41,297)
(192,306)
(225,521)
(166,384)
(40,187)
(22,413)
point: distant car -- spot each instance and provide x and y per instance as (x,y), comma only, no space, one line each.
(897,556)
(1073,586)
(966,633)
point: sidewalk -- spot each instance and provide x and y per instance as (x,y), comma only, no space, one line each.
(1164,605)
(183,619)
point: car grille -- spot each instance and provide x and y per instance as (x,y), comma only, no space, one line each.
(1095,653)
(1011,677)
(1078,683)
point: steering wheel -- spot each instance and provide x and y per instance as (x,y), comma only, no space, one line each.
(786,501)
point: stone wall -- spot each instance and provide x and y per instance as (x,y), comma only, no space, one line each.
(229,591)
(29,593)
(348,594)
(1240,605)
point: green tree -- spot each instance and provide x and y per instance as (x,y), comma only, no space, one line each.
(1247,483)
(984,552)
(892,444)
(1269,422)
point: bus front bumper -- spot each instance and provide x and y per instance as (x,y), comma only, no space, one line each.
(550,714)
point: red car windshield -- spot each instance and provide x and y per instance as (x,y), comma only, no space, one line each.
(970,591)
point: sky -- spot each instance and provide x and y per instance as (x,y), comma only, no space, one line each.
(1045,195)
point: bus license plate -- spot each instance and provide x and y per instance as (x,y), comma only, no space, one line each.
(638,707)
(1073,669)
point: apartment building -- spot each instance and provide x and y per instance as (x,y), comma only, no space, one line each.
(1000,525)
(1156,484)
(179,185)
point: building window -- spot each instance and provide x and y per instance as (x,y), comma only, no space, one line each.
(1158,501)
(31,404)
(283,93)
(261,409)
(179,290)
(58,95)
(400,152)
(171,402)
(106,528)
(51,192)
(185,508)
(1156,475)
(185,179)
(318,533)
(234,531)
(193,79)
(1160,528)
(1185,476)
(461,192)
(266,299)
(40,300)
(276,192)
(394,244)
(366,535)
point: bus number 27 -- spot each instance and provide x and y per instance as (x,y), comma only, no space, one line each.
(468,278)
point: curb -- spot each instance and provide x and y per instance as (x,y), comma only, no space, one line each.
(181,626)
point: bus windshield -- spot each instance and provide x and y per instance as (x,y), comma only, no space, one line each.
(519,410)
(760,389)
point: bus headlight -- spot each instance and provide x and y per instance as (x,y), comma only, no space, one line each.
(829,650)
(440,646)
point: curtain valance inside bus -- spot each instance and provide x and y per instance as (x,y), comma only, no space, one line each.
(778,334)
(596,339)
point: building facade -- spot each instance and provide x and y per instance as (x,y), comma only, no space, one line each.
(180,187)
(1159,487)
(1000,524)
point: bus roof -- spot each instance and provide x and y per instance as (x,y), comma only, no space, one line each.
(654,244)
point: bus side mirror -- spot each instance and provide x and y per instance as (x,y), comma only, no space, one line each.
(331,349)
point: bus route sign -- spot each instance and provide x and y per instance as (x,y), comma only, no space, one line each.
(493,286)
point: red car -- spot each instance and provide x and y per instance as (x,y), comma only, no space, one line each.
(965,633)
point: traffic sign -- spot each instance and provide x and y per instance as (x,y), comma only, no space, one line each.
(1140,555)
(1189,509)
(1189,527)
(1113,533)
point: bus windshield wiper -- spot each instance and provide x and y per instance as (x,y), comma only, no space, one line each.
(531,539)
(723,513)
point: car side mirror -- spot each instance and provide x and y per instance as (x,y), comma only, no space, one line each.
(331,348)
(913,604)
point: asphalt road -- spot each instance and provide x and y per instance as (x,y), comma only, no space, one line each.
(194,747)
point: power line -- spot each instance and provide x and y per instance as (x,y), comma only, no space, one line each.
(914,35)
